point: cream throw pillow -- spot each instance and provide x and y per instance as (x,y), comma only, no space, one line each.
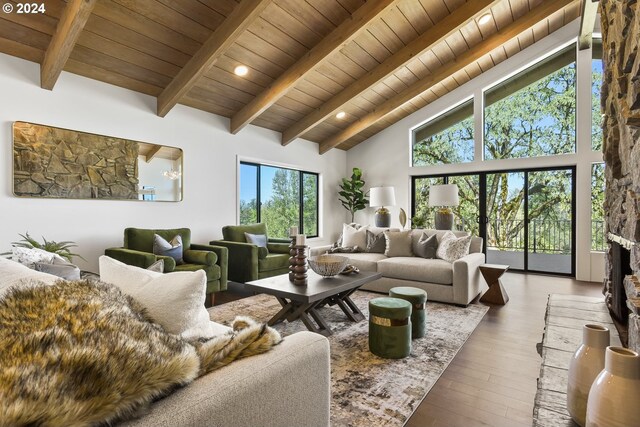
(451,248)
(398,243)
(174,300)
(352,236)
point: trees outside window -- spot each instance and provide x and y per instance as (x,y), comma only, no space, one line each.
(597,71)
(280,198)
(598,234)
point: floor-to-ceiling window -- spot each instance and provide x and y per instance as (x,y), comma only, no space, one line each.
(279,197)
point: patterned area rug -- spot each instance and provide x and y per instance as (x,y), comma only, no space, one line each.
(368,390)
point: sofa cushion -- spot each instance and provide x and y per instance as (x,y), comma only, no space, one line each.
(141,239)
(60,268)
(260,240)
(476,242)
(453,248)
(31,256)
(398,243)
(171,248)
(366,261)
(376,243)
(273,262)
(418,269)
(426,247)
(12,273)
(352,236)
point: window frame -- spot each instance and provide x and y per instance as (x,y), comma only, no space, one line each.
(301,174)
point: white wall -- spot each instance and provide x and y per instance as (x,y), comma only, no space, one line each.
(210,163)
(386,157)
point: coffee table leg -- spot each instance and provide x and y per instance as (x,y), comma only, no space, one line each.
(287,307)
(349,307)
(324,328)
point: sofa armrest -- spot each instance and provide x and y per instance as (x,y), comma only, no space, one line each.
(319,250)
(467,282)
(242,260)
(196,256)
(222,254)
(131,257)
(277,247)
(243,393)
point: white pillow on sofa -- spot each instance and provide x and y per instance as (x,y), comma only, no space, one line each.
(452,248)
(353,236)
(174,300)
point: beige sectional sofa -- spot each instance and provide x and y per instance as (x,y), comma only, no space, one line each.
(458,282)
(287,386)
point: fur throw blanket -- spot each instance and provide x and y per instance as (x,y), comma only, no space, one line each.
(83,353)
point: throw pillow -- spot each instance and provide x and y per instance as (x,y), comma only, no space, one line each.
(174,300)
(398,243)
(376,243)
(29,256)
(451,248)
(352,236)
(171,249)
(338,242)
(260,240)
(59,267)
(427,246)
(157,266)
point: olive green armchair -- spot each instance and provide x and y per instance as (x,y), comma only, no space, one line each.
(138,251)
(247,261)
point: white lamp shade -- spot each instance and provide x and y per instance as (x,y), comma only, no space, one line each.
(382,196)
(444,195)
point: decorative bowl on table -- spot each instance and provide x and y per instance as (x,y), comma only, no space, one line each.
(328,265)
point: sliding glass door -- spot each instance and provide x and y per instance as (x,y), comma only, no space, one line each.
(526,217)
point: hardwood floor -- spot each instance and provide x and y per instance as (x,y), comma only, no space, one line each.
(492,380)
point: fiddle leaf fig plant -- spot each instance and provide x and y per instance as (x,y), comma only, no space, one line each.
(352,196)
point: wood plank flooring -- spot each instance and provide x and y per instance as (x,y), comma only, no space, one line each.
(492,380)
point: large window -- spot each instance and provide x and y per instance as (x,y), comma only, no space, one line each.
(280,198)
(598,239)
(596,84)
(446,139)
(533,113)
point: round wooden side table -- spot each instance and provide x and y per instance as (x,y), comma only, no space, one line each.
(496,293)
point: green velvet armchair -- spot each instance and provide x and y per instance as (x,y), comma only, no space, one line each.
(138,251)
(247,262)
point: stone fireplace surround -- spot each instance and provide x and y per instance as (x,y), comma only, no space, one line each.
(621,148)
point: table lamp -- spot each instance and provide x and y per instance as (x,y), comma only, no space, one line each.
(381,197)
(443,196)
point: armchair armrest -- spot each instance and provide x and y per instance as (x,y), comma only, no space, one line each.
(278,247)
(467,283)
(131,257)
(222,255)
(195,256)
(242,260)
(169,263)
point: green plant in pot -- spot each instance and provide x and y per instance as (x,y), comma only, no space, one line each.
(60,248)
(352,196)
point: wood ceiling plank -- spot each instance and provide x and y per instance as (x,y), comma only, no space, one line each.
(40,22)
(518,8)
(225,64)
(331,10)
(108,76)
(314,90)
(381,31)
(127,37)
(229,79)
(420,45)
(587,22)
(197,12)
(342,35)
(268,51)
(119,14)
(69,27)
(400,25)
(437,9)
(357,54)
(14,48)
(101,44)
(502,14)
(511,47)
(215,46)
(536,15)
(158,12)
(416,15)
(541,30)
(223,7)
(346,65)
(372,46)
(207,106)
(273,35)
(214,96)
(25,35)
(305,13)
(255,62)
(288,24)
(309,101)
(457,43)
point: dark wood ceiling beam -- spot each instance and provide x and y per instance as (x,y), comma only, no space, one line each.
(587,22)
(423,43)
(73,19)
(537,14)
(339,37)
(216,45)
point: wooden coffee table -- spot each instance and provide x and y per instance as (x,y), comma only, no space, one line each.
(302,302)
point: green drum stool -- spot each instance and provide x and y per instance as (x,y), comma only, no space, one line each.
(390,327)
(418,299)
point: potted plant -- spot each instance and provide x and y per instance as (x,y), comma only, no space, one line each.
(352,197)
(61,248)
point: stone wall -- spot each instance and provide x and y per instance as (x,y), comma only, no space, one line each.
(61,163)
(621,129)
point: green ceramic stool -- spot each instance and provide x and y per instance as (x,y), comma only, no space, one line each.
(390,327)
(418,299)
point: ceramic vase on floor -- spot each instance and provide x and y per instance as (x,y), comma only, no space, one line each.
(586,363)
(615,393)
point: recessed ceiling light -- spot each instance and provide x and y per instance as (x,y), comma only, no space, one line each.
(241,70)
(484,19)
(341,115)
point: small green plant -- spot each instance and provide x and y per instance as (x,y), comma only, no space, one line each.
(418,222)
(61,248)
(351,195)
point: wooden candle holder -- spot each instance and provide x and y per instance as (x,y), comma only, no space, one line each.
(292,257)
(300,267)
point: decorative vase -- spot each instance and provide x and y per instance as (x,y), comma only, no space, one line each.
(614,395)
(587,362)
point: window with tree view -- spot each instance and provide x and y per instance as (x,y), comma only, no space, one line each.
(280,198)
(534,112)
(596,85)
(446,139)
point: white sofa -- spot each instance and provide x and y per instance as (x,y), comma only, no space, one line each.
(287,386)
(457,283)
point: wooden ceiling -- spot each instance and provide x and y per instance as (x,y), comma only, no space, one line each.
(377,60)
